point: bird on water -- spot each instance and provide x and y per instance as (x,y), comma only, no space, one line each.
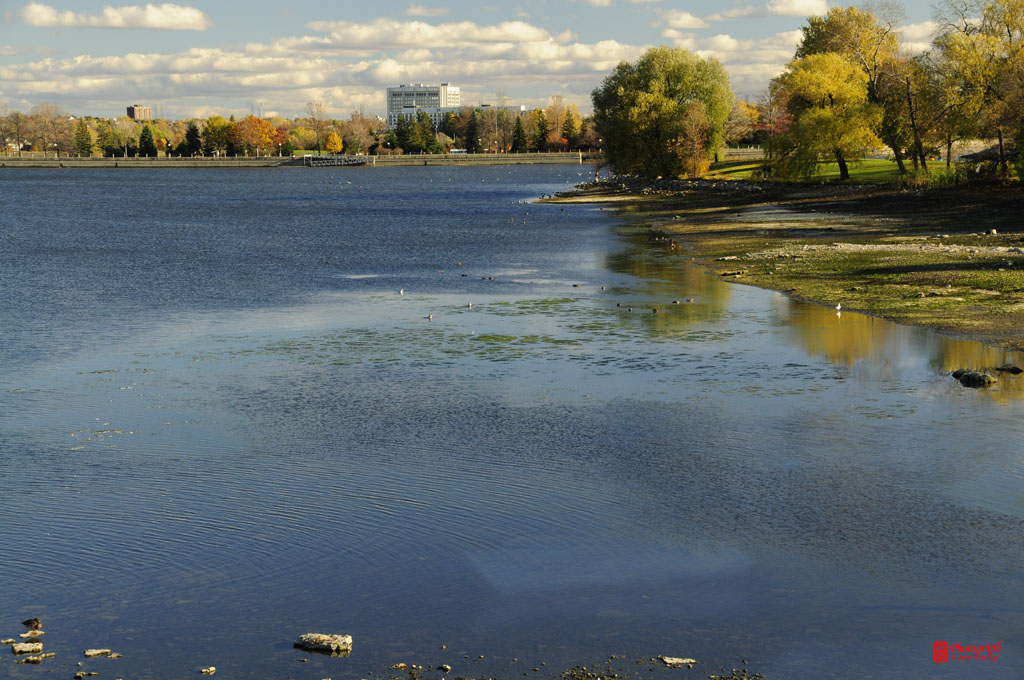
(32,624)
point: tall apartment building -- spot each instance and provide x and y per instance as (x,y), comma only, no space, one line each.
(435,100)
(139,112)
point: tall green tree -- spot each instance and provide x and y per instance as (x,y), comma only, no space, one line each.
(570,130)
(541,130)
(519,142)
(638,109)
(147,146)
(83,138)
(832,117)
(193,141)
(473,134)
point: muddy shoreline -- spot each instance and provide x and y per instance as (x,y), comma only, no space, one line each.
(948,259)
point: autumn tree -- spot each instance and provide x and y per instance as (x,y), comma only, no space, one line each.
(106,138)
(51,128)
(832,117)
(692,142)
(217,135)
(253,134)
(333,143)
(638,109)
(870,42)
(317,114)
(16,125)
(739,126)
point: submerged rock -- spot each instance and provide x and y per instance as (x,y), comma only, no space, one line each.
(90,653)
(27,647)
(975,379)
(1010,368)
(339,645)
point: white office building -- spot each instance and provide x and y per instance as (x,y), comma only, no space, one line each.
(435,100)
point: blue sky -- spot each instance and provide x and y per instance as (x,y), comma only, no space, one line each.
(196,58)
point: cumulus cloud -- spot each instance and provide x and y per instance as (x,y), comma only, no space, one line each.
(797,8)
(421,11)
(389,33)
(165,16)
(677,18)
(750,63)
(738,13)
(917,38)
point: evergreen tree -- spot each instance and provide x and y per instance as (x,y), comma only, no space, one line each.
(540,134)
(472,134)
(192,143)
(570,133)
(402,133)
(519,141)
(147,147)
(83,139)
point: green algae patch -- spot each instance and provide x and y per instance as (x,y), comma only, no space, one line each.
(948,259)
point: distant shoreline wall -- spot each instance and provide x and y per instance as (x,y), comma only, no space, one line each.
(278,162)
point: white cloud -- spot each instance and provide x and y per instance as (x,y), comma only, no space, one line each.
(738,13)
(688,41)
(165,16)
(388,33)
(797,8)
(917,38)
(599,3)
(421,11)
(677,18)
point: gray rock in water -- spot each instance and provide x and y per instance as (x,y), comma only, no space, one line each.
(975,379)
(325,644)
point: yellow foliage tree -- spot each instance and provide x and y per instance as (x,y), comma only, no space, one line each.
(333,143)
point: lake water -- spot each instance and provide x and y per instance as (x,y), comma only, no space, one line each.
(222,426)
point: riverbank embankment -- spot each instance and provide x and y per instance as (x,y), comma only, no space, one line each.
(950,259)
(559,158)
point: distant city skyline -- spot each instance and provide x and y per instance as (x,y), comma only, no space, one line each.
(241,56)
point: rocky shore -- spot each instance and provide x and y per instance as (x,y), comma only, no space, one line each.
(951,259)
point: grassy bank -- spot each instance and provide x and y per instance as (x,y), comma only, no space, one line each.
(949,259)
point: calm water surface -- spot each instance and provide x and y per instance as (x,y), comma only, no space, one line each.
(222,426)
